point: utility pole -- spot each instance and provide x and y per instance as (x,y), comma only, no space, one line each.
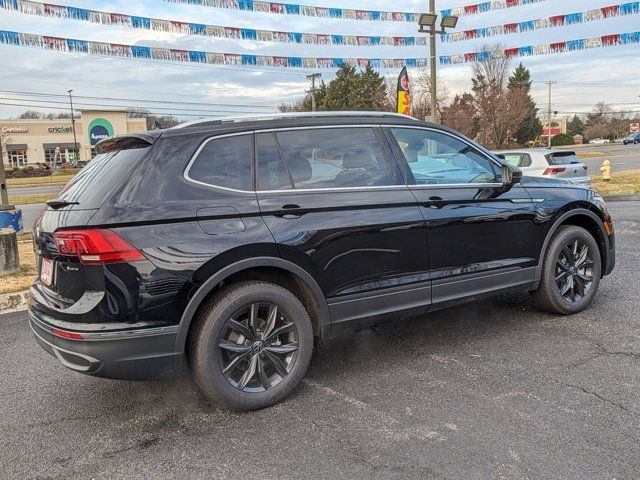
(73,127)
(549,113)
(4,195)
(313,77)
(432,63)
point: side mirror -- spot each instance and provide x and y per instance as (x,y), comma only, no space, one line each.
(510,175)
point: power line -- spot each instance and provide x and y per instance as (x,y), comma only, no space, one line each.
(48,107)
(239,105)
(132,107)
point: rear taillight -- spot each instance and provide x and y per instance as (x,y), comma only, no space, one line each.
(96,247)
(65,334)
(554,170)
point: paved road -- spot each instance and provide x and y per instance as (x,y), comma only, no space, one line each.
(622,157)
(490,390)
(34,190)
(30,214)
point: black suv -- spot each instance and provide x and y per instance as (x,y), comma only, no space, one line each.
(228,246)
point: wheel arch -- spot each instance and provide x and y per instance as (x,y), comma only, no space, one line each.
(580,217)
(265,268)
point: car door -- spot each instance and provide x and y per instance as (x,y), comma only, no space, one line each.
(481,234)
(338,206)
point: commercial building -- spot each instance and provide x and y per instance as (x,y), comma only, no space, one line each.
(27,142)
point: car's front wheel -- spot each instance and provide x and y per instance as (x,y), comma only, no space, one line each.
(571,272)
(251,346)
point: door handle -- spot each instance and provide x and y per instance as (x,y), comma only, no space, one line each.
(434,202)
(291,215)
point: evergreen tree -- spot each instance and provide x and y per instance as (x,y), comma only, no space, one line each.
(370,92)
(530,127)
(575,126)
(341,90)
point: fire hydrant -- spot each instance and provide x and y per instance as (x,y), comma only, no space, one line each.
(606,170)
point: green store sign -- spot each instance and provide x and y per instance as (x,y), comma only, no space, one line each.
(99,129)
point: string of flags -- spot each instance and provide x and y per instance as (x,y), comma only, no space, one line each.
(556,21)
(546,48)
(70,45)
(306,10)
(350,14)
(185,28)
(483,7)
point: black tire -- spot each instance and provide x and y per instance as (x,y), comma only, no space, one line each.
(556,270)
(207,359)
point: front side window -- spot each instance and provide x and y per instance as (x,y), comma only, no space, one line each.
(518,160)
(334,158)
(225,162)
(436,158)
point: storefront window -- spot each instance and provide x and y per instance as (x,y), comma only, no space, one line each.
(63,155)
(18,158)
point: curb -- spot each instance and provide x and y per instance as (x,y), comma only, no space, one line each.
(14,302)
(622,198)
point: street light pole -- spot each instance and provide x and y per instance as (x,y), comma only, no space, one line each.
(432,62)
(73,126)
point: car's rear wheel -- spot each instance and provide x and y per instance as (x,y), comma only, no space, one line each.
(570,273)
(251,346)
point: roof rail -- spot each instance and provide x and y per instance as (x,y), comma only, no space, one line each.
(278,116)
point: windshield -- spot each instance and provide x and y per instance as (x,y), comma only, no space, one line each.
(97,180)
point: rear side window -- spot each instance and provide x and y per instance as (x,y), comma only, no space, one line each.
(562,158)
(334,158)
(225,162)
(98,179)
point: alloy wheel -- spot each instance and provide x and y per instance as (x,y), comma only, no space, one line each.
(258,347)
(574,271)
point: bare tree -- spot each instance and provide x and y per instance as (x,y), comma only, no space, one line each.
(460,115)
(30,115)
(499,110)
(421,96)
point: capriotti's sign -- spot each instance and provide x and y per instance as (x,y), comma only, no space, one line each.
(15,130)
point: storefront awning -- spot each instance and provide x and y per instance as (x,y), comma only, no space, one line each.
(48,146)
(16,146)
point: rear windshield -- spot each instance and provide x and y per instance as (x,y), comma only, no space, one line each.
(98,179)
(562,158)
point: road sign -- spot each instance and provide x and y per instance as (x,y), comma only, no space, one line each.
(635,128)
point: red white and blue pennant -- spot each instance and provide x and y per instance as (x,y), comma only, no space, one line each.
(185,28)
(614,40)
(142,52)
(556,21)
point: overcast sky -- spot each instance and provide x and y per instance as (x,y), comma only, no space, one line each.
(607,74)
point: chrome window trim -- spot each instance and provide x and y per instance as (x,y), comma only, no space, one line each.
(342,189)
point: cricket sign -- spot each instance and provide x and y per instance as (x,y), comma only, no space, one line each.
(404,95)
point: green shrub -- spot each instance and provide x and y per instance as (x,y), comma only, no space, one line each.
(562,139)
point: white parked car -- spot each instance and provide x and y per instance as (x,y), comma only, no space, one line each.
(599,141)
(546,163)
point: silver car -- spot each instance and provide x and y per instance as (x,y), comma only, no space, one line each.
(547,163)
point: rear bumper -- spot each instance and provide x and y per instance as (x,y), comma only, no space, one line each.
(141,354)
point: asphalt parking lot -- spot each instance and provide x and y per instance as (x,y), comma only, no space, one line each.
(488,390)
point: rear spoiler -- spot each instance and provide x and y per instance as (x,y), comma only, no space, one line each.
(128,141)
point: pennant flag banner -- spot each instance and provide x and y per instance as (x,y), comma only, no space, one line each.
(485,7)
(629,8)
(308,10)
(545,49)
(192,56)
(184,28)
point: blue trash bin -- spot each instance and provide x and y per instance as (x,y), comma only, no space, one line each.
(11,219)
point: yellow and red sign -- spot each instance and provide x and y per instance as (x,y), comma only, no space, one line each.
(404,95)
